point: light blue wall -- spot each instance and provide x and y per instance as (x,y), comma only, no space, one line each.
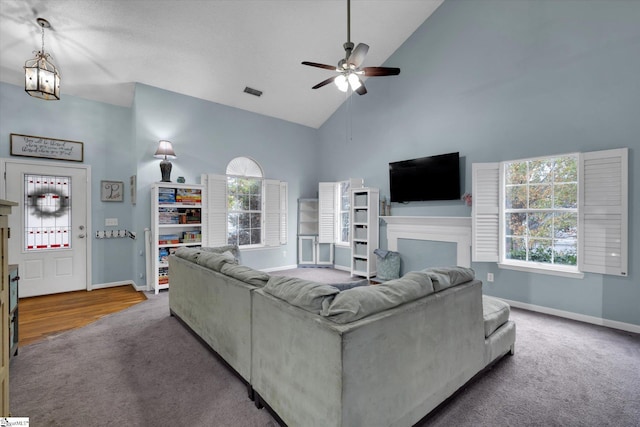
(494,80)
(105,131)
(120,142)
(500,80)
(205,137)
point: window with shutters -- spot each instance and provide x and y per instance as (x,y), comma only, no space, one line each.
(540,211)
(564,214)
(244,208)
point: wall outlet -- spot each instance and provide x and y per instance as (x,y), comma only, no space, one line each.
(489,277)
(284,254)
(110,222)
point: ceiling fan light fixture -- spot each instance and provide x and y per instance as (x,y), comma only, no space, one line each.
(341,82)
(41,77)
(354,81)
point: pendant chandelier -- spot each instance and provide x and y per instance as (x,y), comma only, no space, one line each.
(41,77)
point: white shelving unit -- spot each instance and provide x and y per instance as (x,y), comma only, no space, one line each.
(310,251)
(364,231)
(176,220)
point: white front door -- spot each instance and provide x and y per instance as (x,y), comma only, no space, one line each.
(49,235)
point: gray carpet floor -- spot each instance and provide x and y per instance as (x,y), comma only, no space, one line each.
(140,367)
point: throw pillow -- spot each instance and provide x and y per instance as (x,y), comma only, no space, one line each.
(190,254)
(302,293)
(445,277)
(215,261)
(235,251)
(356,303)
(245,274)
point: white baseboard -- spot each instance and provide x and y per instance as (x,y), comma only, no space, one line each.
(284,267)
(114,284)
(629,327)
(342,268)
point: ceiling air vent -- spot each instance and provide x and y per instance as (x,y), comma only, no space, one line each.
(252,91)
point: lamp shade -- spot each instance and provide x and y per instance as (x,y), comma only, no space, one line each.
(165,151)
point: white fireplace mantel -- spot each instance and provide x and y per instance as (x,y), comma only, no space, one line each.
(450,229)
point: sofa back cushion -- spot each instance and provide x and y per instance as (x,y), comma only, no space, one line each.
(245,274)
(446,277)
(359,302)
(235,251)
(308,295)
(190,254)
(215,261)
(343,286)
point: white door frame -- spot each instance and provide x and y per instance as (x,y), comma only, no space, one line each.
(87,168)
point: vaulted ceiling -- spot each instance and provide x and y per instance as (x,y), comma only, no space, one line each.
(207,49)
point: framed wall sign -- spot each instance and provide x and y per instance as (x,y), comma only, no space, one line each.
(111,191)
(46,148)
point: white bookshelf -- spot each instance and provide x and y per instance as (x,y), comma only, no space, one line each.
(176,221)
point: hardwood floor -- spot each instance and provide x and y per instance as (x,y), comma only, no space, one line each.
(42,316)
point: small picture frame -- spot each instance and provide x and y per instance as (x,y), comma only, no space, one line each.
(112,191)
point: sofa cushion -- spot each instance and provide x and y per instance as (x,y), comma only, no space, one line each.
(446,277)
(215,261)
(495,313)
(359,302)
(245,274)
(302,293)
(349,285)
(235,251)
(190,254)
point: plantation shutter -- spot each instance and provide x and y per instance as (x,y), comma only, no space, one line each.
(272,219)
(603,212)
(214,222)
(326,212)
(485,212)
(284,208)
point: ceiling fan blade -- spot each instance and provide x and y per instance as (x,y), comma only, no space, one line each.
(361,90)
(315,64)
(380,71)
(324,83)
(357,56)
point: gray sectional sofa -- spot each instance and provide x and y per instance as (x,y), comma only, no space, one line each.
(383,355)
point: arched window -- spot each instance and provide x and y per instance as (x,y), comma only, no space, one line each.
(245,202)
(244,207)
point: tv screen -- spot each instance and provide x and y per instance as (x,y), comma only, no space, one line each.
(426,178)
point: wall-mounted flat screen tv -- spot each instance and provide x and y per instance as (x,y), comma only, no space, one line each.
(426,178)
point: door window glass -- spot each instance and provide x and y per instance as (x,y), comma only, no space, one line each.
(47,213)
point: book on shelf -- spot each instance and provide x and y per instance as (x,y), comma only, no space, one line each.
(163,254)
(163,275)
(191,236)
(168,216)
(167,239)
(166,195)
(188,196)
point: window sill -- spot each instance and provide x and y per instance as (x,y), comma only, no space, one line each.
(543,269)
(249,248)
